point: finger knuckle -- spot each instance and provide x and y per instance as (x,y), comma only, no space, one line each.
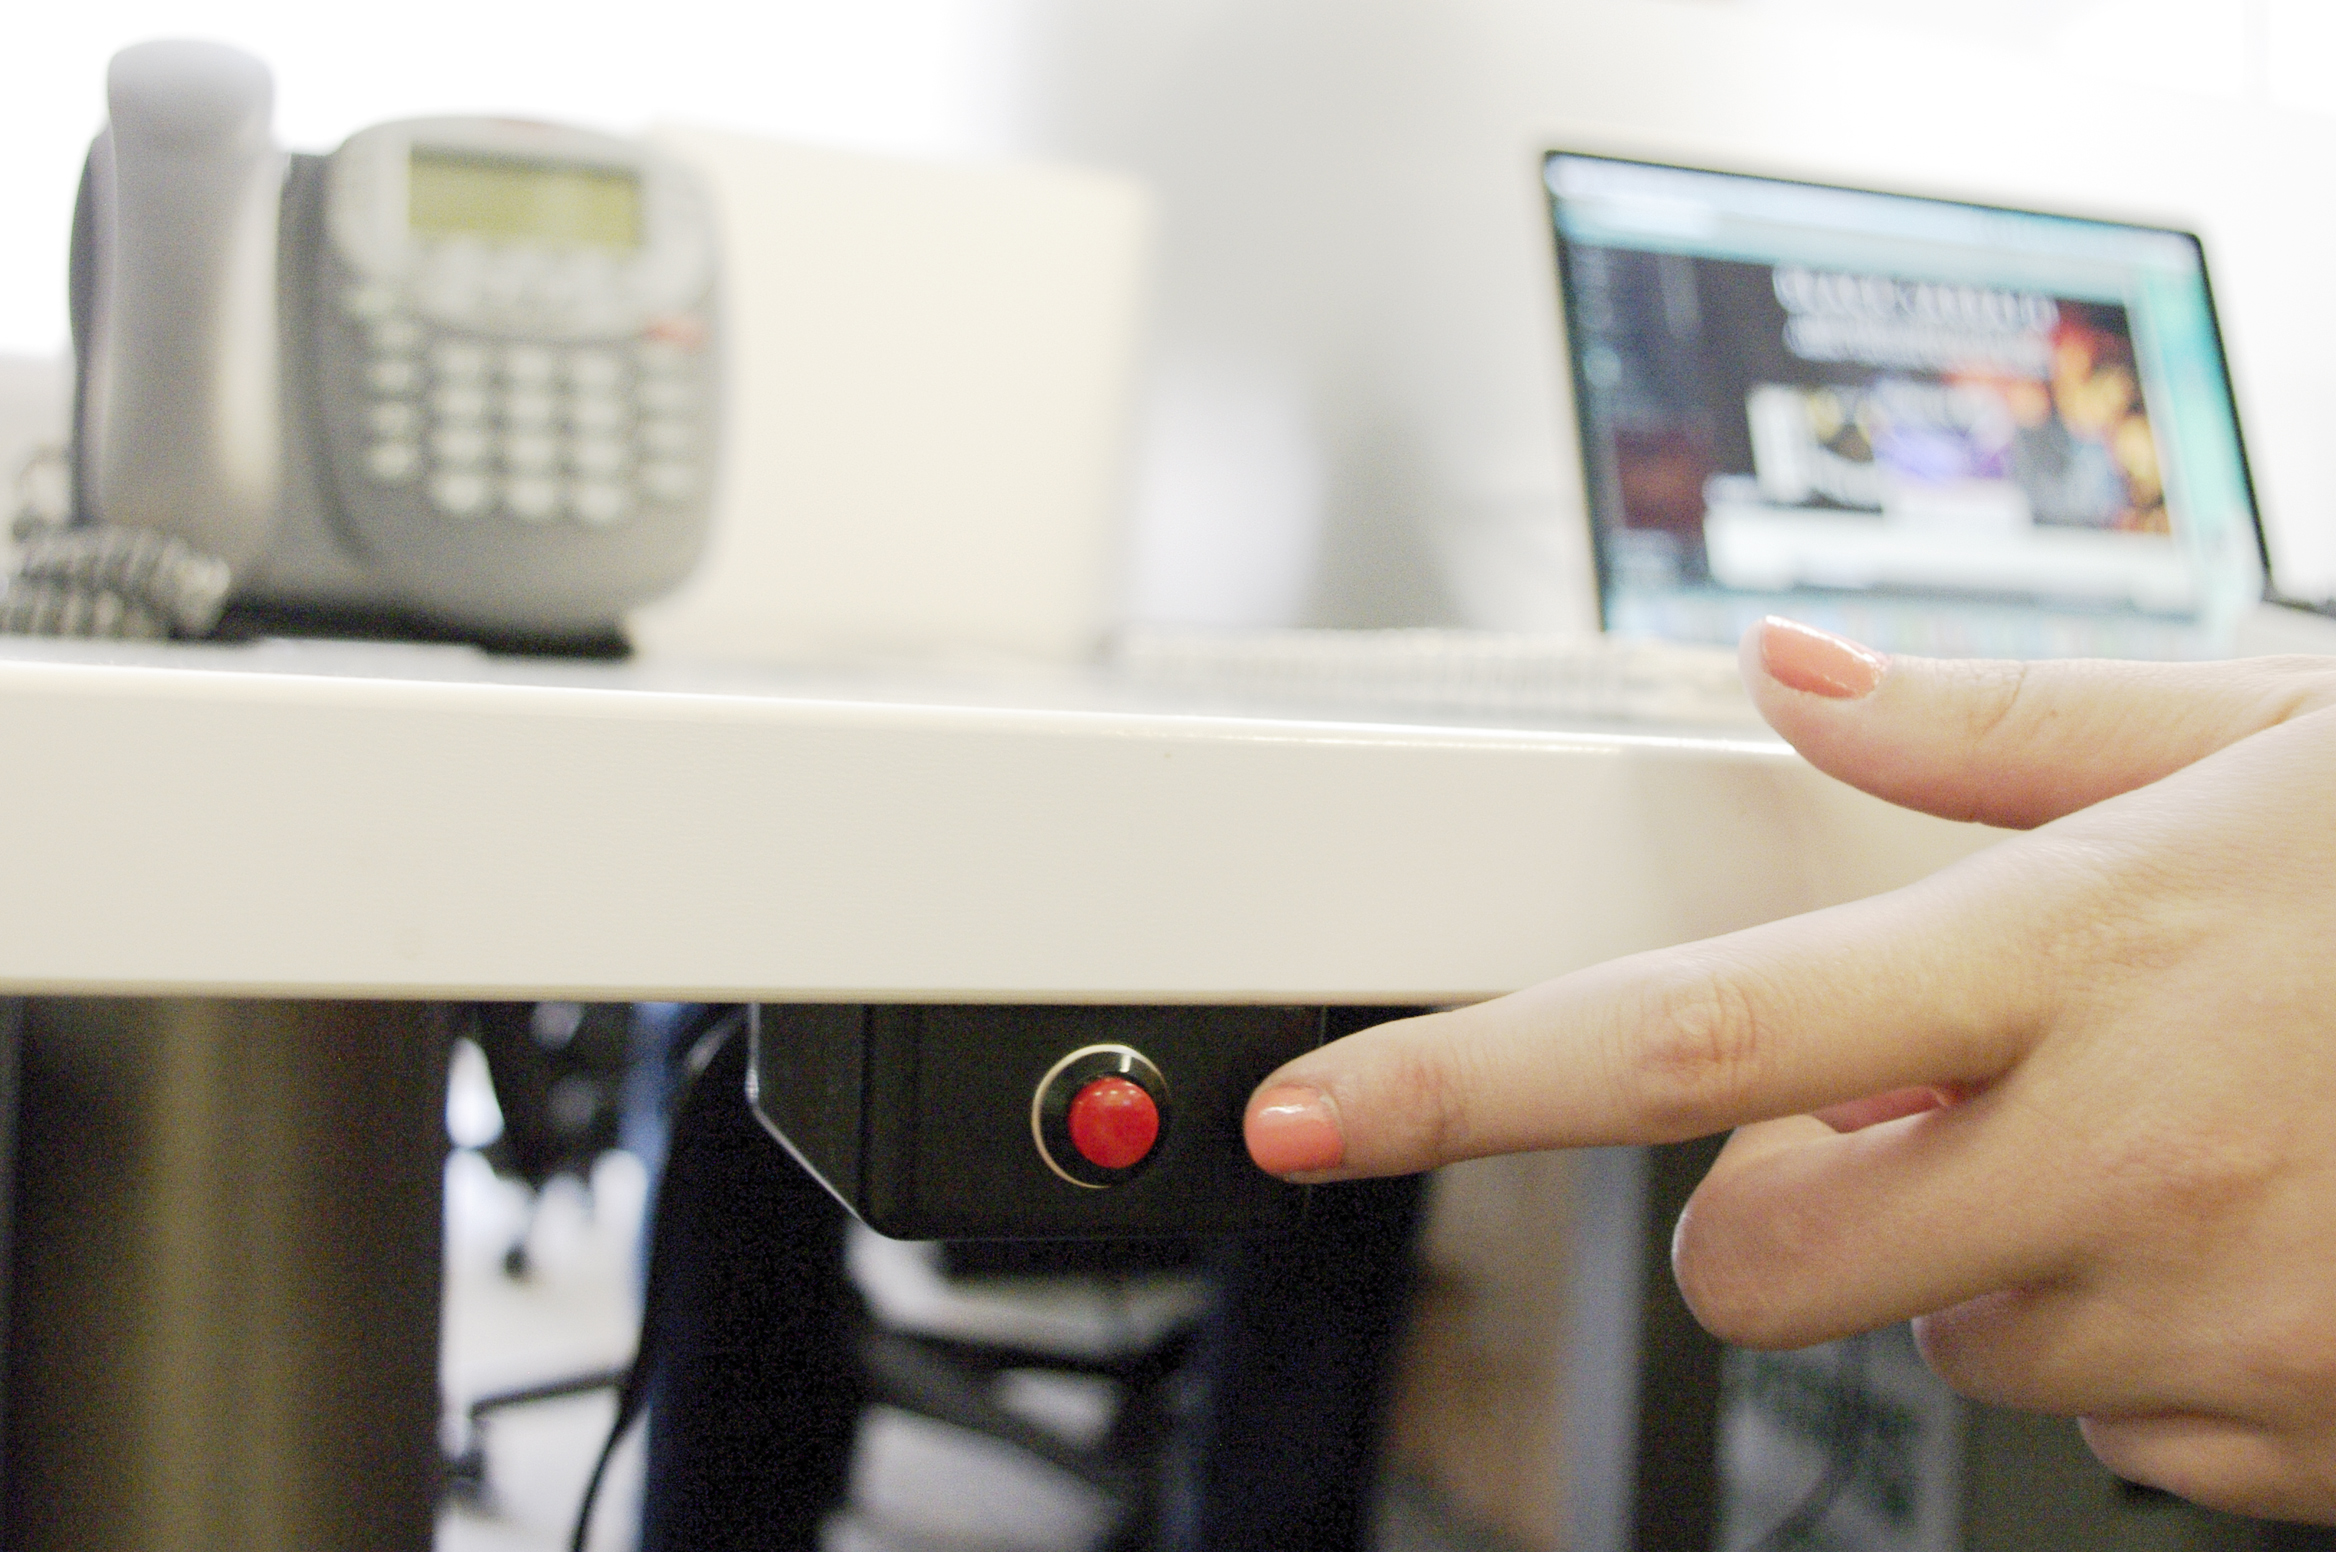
(1425,1089)
(2292,686)
(2190,1189)
(1993,699)
(2100,956)
(1699,1050)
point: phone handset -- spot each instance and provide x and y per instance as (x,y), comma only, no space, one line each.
(177,426)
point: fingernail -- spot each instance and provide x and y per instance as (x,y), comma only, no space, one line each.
(1292,1130)
(1801,657)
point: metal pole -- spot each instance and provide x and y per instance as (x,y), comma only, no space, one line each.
(226,1276)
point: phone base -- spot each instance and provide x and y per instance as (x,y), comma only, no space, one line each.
(251,620)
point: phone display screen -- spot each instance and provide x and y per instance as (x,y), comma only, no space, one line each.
(463,194)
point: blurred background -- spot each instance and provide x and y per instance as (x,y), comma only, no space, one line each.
(1352,407)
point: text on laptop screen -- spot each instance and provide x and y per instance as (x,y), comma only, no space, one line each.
(1932,426)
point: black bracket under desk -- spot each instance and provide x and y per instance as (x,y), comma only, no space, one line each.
(960,1121)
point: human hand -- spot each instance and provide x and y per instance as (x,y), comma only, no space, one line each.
(2070,1104)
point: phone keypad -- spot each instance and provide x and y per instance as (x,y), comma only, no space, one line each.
(393,374)
(532,498)
(459,404)
(393,335)
(460,446)
(393,463)
(394,420)
(458,361)
(596,371)
(461,492)
(526,409)
(589,434)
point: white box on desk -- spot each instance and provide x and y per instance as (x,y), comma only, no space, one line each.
(930,369)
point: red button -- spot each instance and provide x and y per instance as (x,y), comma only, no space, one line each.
(1113,1123)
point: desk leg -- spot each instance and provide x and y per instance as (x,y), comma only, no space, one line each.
(1679,1393)
(226,1294)
(1644,1395)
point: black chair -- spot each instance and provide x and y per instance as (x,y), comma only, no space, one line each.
(558,1069)
(953,1325)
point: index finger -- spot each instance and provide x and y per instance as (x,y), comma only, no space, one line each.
(1777,1020)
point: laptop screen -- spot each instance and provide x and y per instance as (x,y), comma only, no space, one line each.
(1932,426)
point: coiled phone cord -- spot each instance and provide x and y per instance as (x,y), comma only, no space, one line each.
(102,580)
(122,583)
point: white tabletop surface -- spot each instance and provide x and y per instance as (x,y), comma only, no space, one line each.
(327,820)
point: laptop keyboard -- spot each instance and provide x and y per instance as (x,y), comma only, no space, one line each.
(1495,674)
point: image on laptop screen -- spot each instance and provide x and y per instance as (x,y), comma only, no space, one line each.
(1933,426)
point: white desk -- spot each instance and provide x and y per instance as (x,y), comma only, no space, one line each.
(408,826)
(323,821)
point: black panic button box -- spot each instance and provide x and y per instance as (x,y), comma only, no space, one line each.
(987,1122)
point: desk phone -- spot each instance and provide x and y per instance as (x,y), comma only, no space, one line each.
(460,369)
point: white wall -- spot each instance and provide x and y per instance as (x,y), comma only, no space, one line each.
(1358,416)
(929,367)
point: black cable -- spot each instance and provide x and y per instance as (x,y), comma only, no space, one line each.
(1845,1452)
(632,1397)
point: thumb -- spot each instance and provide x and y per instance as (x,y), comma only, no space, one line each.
(2009,743)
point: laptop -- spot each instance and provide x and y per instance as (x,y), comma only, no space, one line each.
(1934,426)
